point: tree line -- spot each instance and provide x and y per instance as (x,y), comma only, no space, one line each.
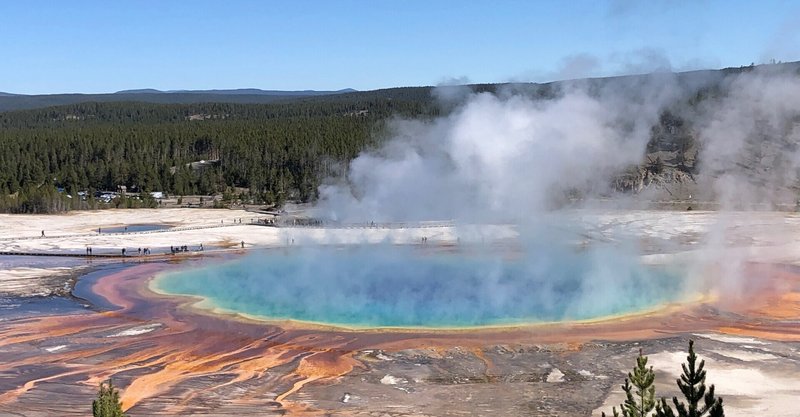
(269,152)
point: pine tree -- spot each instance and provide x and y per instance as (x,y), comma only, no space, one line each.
(692,385)
(107,403)
(641,402)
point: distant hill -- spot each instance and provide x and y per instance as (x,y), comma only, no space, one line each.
(241,91)
(691,80)
(139,91)
(10,102)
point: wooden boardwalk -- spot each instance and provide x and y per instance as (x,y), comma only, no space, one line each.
(167,254)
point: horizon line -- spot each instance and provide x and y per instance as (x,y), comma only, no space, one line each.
(146,90)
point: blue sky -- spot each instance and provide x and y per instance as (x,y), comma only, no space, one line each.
(104,46)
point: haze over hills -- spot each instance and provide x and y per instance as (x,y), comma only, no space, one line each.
(10,101)
(242,91)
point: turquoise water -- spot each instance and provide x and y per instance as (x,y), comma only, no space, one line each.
(390,286)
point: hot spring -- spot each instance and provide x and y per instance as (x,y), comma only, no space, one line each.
(406,286)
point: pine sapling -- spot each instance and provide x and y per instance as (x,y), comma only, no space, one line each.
(692,385)
(107,403)
(641,402)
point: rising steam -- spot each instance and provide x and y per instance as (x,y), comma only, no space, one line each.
(505,156)
(496,157)
(516,158)
(750,139)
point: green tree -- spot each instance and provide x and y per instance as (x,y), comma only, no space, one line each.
(283,148)
(692,385)
(107,403)
(641,402)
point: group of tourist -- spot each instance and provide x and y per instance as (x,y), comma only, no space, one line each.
(183,248)
(146,251)
(123,251)
(139,252)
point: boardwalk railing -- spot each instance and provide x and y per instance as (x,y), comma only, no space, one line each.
(286,223)
(143,232)
(313,223)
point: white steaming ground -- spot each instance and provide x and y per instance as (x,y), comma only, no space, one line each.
(750,158)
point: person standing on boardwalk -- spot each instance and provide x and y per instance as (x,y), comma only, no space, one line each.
(42,233)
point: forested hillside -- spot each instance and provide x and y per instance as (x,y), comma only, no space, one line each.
(276,151)
(9,102)
(268,153)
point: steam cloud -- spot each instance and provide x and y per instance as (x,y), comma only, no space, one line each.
(513,158)
(505,156)
(498,157)
(750,139)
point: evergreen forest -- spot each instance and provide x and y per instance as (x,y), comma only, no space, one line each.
(261,153)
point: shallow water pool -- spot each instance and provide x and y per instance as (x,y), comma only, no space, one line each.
(392,286)
(133,228)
